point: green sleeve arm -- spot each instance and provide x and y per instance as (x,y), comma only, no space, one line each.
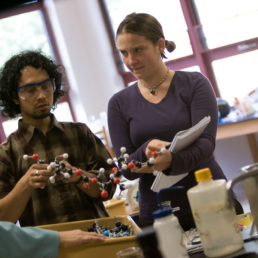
(27,241)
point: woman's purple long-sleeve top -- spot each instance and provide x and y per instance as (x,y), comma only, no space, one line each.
(133,122)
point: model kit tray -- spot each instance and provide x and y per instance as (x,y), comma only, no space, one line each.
(106,249)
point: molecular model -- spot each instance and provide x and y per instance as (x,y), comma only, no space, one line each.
(120,229)
(60,168)
(58,165)
(122,159)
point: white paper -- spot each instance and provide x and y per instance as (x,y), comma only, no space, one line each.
(181,140)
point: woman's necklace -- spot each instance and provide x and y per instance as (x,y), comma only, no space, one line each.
(155,86)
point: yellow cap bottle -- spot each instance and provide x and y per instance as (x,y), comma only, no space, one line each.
(202,174)
(215,222)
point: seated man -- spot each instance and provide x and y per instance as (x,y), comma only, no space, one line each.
(30,84)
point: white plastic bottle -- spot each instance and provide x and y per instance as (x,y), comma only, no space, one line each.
(215,221)
(169,232)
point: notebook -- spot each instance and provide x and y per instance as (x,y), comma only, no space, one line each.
(181,140)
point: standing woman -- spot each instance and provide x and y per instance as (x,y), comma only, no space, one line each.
(146,116)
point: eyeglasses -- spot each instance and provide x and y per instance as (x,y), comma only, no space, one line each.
(31,89)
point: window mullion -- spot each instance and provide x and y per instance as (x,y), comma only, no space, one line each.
(202,58)
(107,22)
(232,49)
(181,63)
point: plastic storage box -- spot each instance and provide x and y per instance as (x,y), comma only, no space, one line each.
(115,207)
(106,249)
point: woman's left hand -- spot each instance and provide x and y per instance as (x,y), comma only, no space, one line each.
(164,159)
(155,145)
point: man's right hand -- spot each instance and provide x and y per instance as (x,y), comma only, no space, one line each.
(38,175)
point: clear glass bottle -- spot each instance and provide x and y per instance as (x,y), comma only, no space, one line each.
(215,221)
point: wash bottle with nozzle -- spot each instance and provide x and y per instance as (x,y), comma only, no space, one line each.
(168,230)
(215,220)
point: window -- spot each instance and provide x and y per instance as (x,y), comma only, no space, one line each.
(192,69)
(215,37)
(226,22)
(237,75)
(22,32)
(170,16)
(62,113)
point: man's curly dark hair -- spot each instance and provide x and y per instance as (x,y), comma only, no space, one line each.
(10,75)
